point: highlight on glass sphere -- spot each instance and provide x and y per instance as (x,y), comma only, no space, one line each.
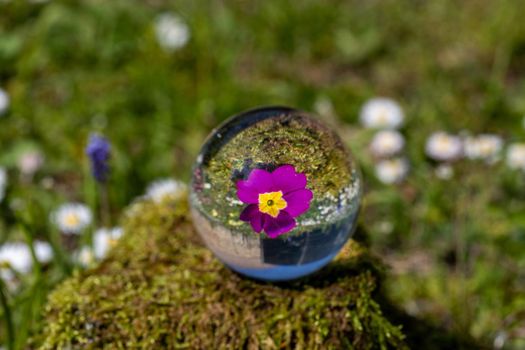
(275,194)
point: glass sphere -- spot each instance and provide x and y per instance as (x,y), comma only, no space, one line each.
(275,194)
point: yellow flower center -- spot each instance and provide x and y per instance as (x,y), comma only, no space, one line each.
(112,242)
(86,257)
(382,116)
(72,220)
(271,203)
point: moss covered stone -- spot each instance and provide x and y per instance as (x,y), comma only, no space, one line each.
(161,289)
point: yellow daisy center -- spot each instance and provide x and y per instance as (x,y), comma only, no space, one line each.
(72,220)
(112,242)
(86,257)
(382,116)
(271,203)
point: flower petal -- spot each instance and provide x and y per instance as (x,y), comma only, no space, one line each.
(279,225)
(257,222)
(247,194)
(249,212)
(287,179)
(298,202)
(259,181)
(252,214)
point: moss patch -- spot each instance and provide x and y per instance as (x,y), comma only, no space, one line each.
(285,139)
(159,288)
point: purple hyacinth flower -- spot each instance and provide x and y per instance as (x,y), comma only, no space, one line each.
(274,199)
(98,151)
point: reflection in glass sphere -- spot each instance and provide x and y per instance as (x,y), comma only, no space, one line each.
(275,194)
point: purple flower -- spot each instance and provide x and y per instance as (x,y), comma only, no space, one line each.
(98,151)
(274,199)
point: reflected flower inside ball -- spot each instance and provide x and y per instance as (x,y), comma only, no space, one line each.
(274,199)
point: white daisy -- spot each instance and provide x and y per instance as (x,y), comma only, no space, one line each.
(104,240)
(85,256)
(381,113)
(391,171)
(17,256)
(161,190)
(444,147)
(43,251)
(171,31)
(4,101)
(387,143)
(485,147)
(72,218)
(444,171)
(3,183)
(323,106)
(516,156)
(29,162)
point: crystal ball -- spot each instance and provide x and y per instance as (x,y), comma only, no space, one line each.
(275,194)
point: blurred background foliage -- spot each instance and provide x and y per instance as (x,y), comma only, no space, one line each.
(456,247)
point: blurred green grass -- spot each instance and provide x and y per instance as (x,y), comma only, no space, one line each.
(74,67)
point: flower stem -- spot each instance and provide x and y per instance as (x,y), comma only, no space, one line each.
(61,258)
(26,229)
(10,334)
(105,214)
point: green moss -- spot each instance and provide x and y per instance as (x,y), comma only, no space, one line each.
(301,141)
(159,288)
